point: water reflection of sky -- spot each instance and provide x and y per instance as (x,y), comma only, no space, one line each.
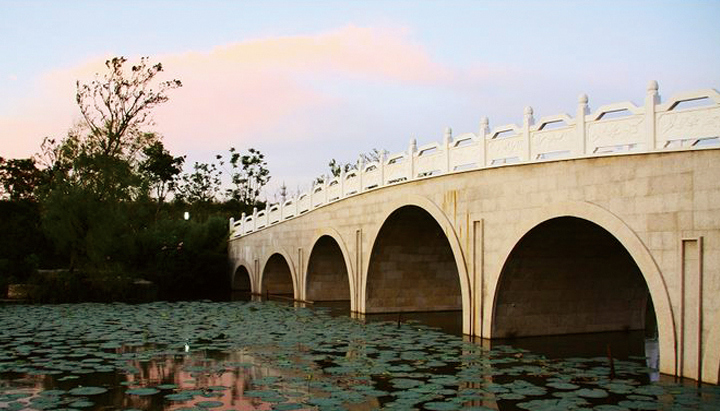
(261,356)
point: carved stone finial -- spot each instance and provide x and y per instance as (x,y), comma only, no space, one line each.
(583,98)
(484,122)
(652,86)
(528,111)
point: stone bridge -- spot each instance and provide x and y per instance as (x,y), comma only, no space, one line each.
(599,222)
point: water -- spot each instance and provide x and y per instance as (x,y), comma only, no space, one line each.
(265,355)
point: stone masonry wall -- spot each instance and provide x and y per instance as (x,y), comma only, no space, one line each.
(412,266)
(327,278)
(569,276)
(276,277)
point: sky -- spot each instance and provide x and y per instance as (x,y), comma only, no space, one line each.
(308,81)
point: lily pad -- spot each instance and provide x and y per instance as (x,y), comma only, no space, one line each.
(142,391)
(591,393)
(441,406)
(81,404)
(563,385)
(180,396)
(209,404)
(87,391)
(167,386)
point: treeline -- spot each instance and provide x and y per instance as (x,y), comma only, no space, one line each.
(106,213)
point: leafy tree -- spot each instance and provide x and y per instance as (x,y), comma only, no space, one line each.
(248,176)
(336,168)
(20,178)
(161,169)
(369,157)
(200,186)
(95,168)
(283,193)
(117,106)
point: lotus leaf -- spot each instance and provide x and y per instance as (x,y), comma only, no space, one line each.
(640,405)
(87,391)
(167,386)
(209,404)
(142,391)
(288,406)
(441,406)
(180,396)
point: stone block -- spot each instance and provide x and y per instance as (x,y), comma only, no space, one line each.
(662,222)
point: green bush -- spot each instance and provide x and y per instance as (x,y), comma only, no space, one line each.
(125,242)
(185,259)
(23,245)
(63,286)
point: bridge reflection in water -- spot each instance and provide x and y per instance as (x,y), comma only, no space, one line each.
(622,345)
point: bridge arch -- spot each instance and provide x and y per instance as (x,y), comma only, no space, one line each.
(242,268)
(336,238)
(628,239)
(274,273)
(439,217)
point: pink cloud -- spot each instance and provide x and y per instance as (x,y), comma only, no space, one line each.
(239,93)
(243,89)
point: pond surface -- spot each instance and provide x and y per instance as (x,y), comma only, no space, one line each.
(272,356)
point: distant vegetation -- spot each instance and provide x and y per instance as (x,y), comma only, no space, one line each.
(99,213)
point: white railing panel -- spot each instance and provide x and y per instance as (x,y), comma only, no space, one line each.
(505,150)
(466,152)
(352,184)
(689,124)
(622,134)
(318,196)
(429,163)
(396,169)
(288,210)
(248,225)
(372,177)
(334,190)
(304,204)
(560,140)
(260,219)
(274,215)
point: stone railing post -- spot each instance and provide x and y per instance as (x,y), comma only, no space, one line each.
(412,149)
(652,99)
(382,169)
(528,120)
(231,225)
(581,131)
(242,223)
(360,172)
(296,200)
(267,214)
(325,189)
(281,207)
(483,135)
(312,193)
(342,182)
(447,138)
(255,222)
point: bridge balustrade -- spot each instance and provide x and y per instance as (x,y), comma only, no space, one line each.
(613,129)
